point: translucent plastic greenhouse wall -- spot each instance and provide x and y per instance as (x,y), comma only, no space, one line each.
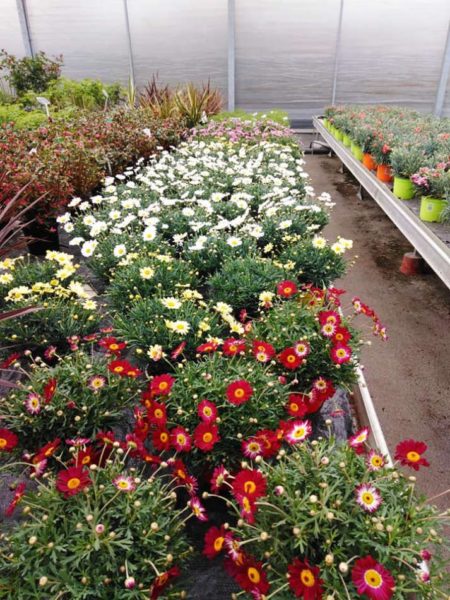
(290,54)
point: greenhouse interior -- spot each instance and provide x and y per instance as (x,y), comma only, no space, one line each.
(224,299)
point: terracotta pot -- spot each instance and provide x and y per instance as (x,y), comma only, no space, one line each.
(369,162)
(384,173)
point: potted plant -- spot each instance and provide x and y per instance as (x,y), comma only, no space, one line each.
(381,150)
(405,161)
(434,183)
(363,137)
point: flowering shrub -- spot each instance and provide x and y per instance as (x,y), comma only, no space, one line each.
(67,306)
(72,157)
(330,520)
(99,533)
(77,397)
(434,182)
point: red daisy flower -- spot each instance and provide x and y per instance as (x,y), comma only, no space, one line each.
(84,458)
(263,351)
(270,441)
(286,289)
(251,576)
(324,387)
(9,360)
(251,483)
(207,347)
(328,329)
(157,414)
(304,580)
(340,354)
(248,507)
(180,439)
(47,451)
(231,347)
(120,367)
(18,495)
(290,359)
(206,435)
(178,350)
(207,411)
(50,389)
(72,481)
(107,438)
(358,440)
(409,453)
(161,385)
(372,579)
(8,440)
(214,541)
(329,316)
(112,345)
(342,336)
(219,477)
(239,392)
(297,405)
(162,581)
(161,439)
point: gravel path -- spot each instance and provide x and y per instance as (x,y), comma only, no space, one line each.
(409,376)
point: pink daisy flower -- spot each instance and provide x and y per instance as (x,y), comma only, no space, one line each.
(340,354)
(368,497)
(33,403)
(124,484)
(77,442)
(375,461)
(252,448)
(358,440)
(197,509)
(302,348)
(219,477)
(96,382)
(298,431)
(180,439)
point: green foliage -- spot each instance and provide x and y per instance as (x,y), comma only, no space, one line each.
(320,266)
(209,379)
(22,119)
(277,115)
(76,410)
(87,545)
(241,281)
(30,73)
(407,160)
(310,511)
(86,94)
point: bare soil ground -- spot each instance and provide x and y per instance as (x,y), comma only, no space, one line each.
(408,376)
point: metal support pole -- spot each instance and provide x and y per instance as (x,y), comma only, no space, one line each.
(231,54)
(337,52)
(130,47)
(25,27)
(445,71)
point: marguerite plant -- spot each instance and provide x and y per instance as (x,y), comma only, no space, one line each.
(99,532)
(331,521)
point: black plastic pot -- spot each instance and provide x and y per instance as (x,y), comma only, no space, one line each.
(45,237)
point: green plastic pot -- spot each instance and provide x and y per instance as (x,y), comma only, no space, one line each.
(431,209)
(339,135)
(346,140)
(326,123)
(404,188)
(357,151)
(333,130)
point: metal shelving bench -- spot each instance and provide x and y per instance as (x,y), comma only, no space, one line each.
(430,247)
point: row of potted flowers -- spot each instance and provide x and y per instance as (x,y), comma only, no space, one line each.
(221,338)
(404,147)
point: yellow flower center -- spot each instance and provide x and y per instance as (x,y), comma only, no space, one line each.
(3,443)
(207,437)
(413,456)
(249,487)
(181,439)
(300,432)
(159,413)
(123,484)
(113,346)
(367,498)
(239,393)
(341,353)
(86,460)
(294,407)
(373,578)
(118,369)
(218,543)
(163,385)
(254,447)
(291,358)
(73,483)
(164,437)
(207,411)
(253,575)
(377,461)
(307,578)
